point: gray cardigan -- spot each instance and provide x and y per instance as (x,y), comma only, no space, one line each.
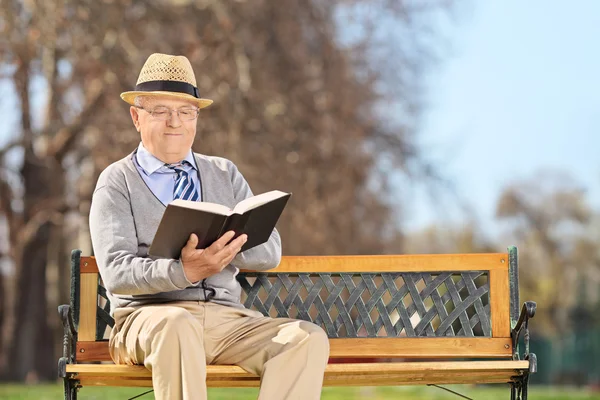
(124,217)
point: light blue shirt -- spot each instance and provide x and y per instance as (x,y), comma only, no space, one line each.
(161,179)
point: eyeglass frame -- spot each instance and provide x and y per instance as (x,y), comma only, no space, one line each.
(170,112)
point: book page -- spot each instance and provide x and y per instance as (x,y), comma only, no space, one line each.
(258,200)
(202,206)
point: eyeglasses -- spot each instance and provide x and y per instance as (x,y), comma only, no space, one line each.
(164,113)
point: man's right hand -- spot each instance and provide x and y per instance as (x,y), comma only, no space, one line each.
(199,264)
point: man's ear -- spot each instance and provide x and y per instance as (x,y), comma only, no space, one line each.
(135,117)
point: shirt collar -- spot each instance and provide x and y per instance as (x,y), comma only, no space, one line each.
(150,164)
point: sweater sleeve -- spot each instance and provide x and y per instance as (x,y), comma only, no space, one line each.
(115,246)
(265,256)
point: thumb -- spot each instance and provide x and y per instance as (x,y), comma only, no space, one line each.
(192,242)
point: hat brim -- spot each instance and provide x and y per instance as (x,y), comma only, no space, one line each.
(129,97)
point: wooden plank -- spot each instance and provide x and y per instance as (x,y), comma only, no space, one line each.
(233,371)
(103,381)
(349,380)
(416,348)
(409,379)
(87,265)
(88,303)
(500,303)
(426,366)
(235,383)
(358,374)
(139,371)
(92,351)
(428,347)
(125,371)
(394,263)
(378,263)
(222,383)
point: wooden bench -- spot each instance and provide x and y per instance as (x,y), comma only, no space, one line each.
(391,320)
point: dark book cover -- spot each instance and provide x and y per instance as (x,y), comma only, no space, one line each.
(257,218)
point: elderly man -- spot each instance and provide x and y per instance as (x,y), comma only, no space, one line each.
(175,316)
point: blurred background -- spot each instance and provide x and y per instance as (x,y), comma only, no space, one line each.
(401,126)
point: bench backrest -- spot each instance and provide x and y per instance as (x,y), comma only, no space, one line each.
(440,306)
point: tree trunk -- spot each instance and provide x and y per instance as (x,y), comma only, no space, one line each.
(2,322)
(32,355)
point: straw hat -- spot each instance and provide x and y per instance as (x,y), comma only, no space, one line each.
(167,75)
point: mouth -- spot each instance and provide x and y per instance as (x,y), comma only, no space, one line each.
(173,134)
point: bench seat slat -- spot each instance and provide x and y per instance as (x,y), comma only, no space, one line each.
(451,347)
(361,374)
(348,380)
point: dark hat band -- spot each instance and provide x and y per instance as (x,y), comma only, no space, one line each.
(168,86)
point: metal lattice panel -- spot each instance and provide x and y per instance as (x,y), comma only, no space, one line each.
(376,305)
(365,305)
(103,318)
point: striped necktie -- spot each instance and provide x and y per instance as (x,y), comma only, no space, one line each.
(184,185)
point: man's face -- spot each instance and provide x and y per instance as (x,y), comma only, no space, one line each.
(168,137)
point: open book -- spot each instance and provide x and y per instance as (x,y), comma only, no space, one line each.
(255,216)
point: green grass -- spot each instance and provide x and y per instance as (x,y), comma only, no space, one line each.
(497,392)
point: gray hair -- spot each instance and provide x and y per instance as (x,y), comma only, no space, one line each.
(139,101)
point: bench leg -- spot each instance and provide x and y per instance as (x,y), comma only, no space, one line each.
(518,389)
(515,389)
(70,389)
(525,387)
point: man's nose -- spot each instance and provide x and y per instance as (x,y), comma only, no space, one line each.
(174,120)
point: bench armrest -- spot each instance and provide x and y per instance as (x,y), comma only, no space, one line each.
(69,339)
(522,325)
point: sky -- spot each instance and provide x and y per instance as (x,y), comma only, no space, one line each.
(518,93)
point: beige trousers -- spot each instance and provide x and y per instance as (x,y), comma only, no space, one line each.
(177,340)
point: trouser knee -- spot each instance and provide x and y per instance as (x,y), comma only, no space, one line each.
(317,339)
(175,326)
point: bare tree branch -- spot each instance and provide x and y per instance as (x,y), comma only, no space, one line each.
(18,142)
(31,227)
(64,139)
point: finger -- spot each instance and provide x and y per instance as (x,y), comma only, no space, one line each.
(220,243)
(234,253)
(233,249)
(233,245)
(225,262)
(238,242)
(191,244)
(192,241)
